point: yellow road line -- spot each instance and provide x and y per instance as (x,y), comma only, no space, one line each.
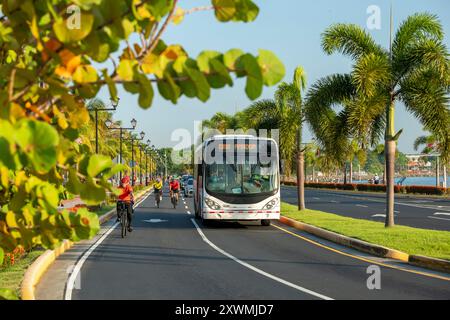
(361,258)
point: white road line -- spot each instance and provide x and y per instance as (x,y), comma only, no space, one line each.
(384,201)
(441,214)
(188,212)
(334,201)
(249,266)
(186,207)
(77,268)
(315,198)
(361,205)
(431,217)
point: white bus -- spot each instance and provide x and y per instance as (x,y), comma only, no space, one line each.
(236,177)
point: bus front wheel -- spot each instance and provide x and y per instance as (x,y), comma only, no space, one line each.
(265,222)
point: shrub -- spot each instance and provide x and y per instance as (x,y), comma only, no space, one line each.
(426,190)
(430,190)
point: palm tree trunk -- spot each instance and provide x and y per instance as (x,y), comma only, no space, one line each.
(345,173)
(300,172)
(350,177)
(389,153)
(390,171)
(444,169)
(438,174)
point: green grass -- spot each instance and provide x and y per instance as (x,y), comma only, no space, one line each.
(11,276)
(425,242)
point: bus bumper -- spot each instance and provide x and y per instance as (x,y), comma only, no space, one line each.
(241,215)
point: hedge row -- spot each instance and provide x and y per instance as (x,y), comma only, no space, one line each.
(372,187)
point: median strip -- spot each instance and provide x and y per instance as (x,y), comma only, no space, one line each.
(399,242)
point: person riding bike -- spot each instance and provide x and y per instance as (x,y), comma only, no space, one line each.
(174,188)
(126,196)
(158,186)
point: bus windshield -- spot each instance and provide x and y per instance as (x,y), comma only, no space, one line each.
(244,178)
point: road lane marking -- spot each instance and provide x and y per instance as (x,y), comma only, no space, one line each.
(361,258)
(188,212)
(438,218)
(441,214)
(383,201)
(334,201)
(361,205)
(79,265)
(186,207)
(155,220)
(249,266)
(315,198)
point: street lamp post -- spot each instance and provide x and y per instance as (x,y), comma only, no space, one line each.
(109,125)
(114,104)
(142,134)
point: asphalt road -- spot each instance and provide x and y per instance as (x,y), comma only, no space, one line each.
(419,212)
(171,255)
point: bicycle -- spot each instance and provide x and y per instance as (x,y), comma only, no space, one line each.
(158,196)
(174,200)
(123,212)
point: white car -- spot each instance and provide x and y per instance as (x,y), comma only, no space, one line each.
(189,188)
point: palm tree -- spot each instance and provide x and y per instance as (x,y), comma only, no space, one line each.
(284,112)
(414,71)
(222,122)
(431,145)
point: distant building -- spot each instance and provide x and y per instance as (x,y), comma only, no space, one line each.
(418,162)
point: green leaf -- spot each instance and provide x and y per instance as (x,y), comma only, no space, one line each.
(38,140)
(97,164)
(125,70)
(200,83)
(73,185)
(224,9)
(72,30)
(86,224)
(273,70)
(231,57)
(168,88)
(247,11)
(91,193)
(145,92)
(111,85)
(114,170)
(8,294)
(87,4)
(85,74)
(254,84)
(2,255)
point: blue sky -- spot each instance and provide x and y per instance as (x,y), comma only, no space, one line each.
(291,29)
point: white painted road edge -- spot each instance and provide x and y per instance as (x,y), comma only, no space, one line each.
(79,265)
(249,266)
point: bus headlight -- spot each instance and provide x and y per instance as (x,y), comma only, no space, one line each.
(211,204)
(272,203)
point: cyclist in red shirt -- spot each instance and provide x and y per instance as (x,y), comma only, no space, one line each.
(126,196)
(174,187)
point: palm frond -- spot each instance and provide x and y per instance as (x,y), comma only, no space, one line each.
(371,72)
(349,39)
(416,26)
(330,127)
(428,100)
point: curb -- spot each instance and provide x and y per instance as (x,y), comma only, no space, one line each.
(360,245)
(431,263)
(37,269)
(376,250)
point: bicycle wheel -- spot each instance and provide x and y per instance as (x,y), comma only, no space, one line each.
(123,222)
